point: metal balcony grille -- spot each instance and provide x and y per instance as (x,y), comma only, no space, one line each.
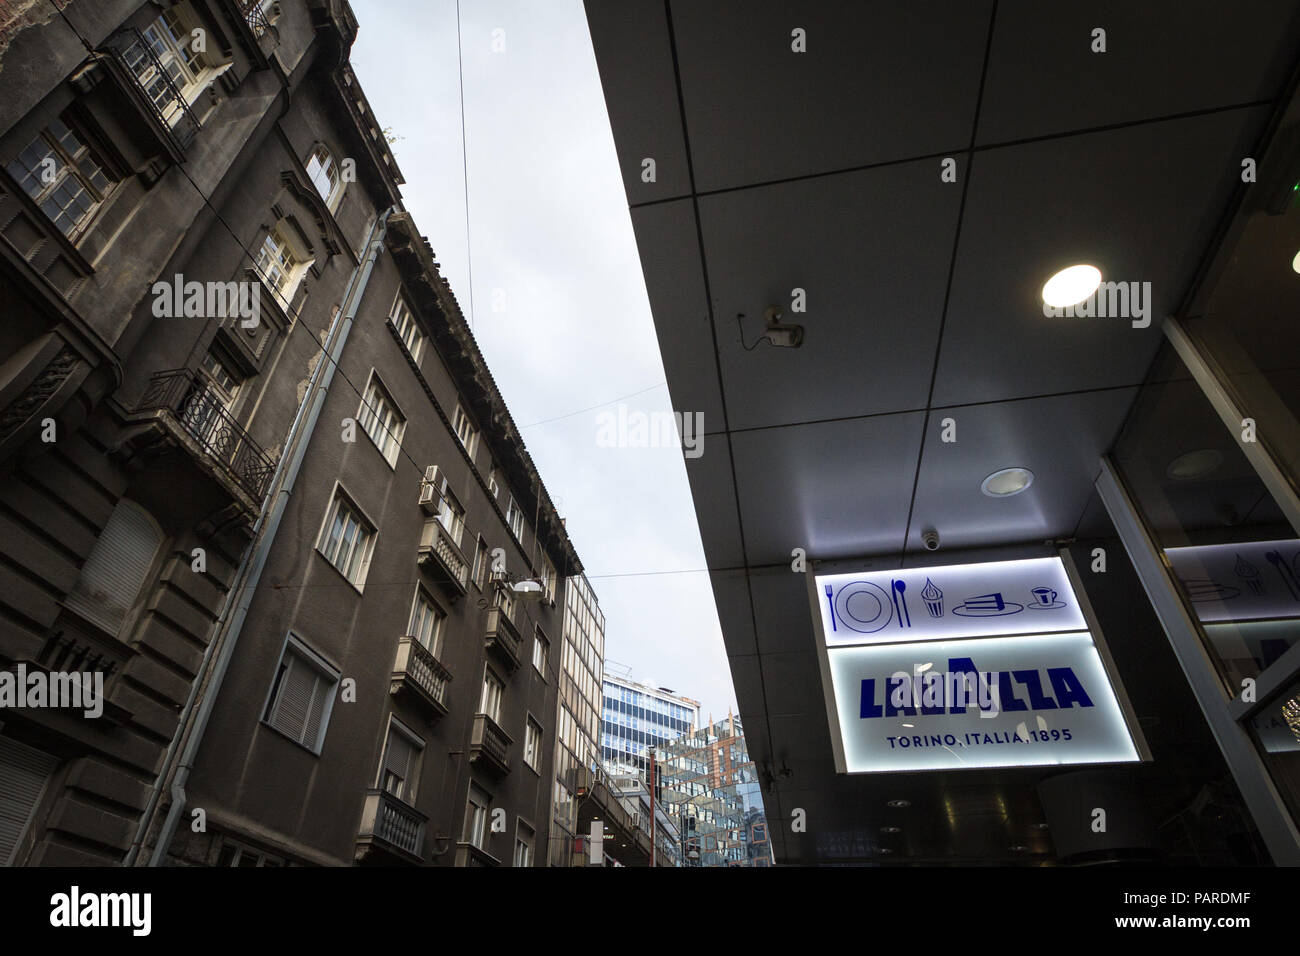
(197,409)
(255,16)
(390,821)
(136,57)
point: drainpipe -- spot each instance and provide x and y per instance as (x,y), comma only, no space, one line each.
(303,428)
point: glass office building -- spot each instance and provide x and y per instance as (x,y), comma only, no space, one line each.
(637,717)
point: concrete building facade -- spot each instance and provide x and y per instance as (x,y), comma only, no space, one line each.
(253,467)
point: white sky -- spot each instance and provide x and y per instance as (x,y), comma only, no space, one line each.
(552,242)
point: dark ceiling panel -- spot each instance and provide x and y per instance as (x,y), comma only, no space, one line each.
(871,250)
(1060,439)
(1140,203)
(644,113)
(757,111)
(666,235)
(835,489)
(1163,57)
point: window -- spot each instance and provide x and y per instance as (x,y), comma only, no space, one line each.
(493,690)
(451,513)
(24,775)
(482,561)
(324,175)
(238,855)
(381,420)
(63,177)
(494,487)
(541,650)
(548,578)
(506,600)
(172,41)
(533,745)
(426,622)
(524,837)
(347,540)
(223,381)
(399,771)
(282,263)
(117,567)
(515,518)
(408,330)
(302,695)
(465,430)
(476,817)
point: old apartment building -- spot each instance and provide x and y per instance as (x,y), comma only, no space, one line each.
(254,469)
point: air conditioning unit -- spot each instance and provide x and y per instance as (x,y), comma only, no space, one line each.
(636,820)
(430,496)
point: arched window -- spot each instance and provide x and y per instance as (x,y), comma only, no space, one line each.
(324,175)
(117,567)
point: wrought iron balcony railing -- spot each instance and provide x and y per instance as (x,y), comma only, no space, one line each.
(129,48)
(391,825)
(254,12)
(201,414)
(416,668)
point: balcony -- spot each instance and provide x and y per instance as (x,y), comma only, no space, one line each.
(258,15)
(503,636)
(390,830)
(193,410)
(152,86)
(490,744)
(418,672)
(440,554)
(467,854)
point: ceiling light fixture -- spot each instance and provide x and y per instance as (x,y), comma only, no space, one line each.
(1071,286)
(1295,263)
(899,804)
(1007,482)
(891,829)
(1194,464)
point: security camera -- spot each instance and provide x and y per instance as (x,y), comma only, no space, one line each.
(780,334)
(930,538)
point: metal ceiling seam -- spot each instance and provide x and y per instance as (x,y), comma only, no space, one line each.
(713,332)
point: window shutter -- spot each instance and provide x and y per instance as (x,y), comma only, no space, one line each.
(24,771)
(399,757)
(117,567)
(298,712)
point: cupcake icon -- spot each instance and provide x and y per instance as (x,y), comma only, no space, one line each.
(933,599)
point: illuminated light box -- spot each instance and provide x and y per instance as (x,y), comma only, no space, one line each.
(1251,581)
(963,600)
(967,667)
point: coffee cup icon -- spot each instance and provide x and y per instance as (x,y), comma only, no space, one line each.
(1046,597)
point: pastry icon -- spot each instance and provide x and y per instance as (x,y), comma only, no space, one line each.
(933,599)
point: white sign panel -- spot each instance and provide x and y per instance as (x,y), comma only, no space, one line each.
(965,600)
(1252,581)
(1023,701)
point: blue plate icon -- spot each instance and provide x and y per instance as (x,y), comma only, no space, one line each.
(863,607)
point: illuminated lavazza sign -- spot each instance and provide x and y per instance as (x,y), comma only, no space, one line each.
(965,667)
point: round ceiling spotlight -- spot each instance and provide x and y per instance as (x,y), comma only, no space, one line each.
(891,829)
(899,804)
(1295,263)
(1194,464)
(1007,482)
(1071,286)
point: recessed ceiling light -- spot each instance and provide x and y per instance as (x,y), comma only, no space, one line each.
(1071,286)
(1007,482)
(884,851)
(1295,263)
(1040,826)
(891,829)
(1020,849)
(899,804)
(1194,464)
